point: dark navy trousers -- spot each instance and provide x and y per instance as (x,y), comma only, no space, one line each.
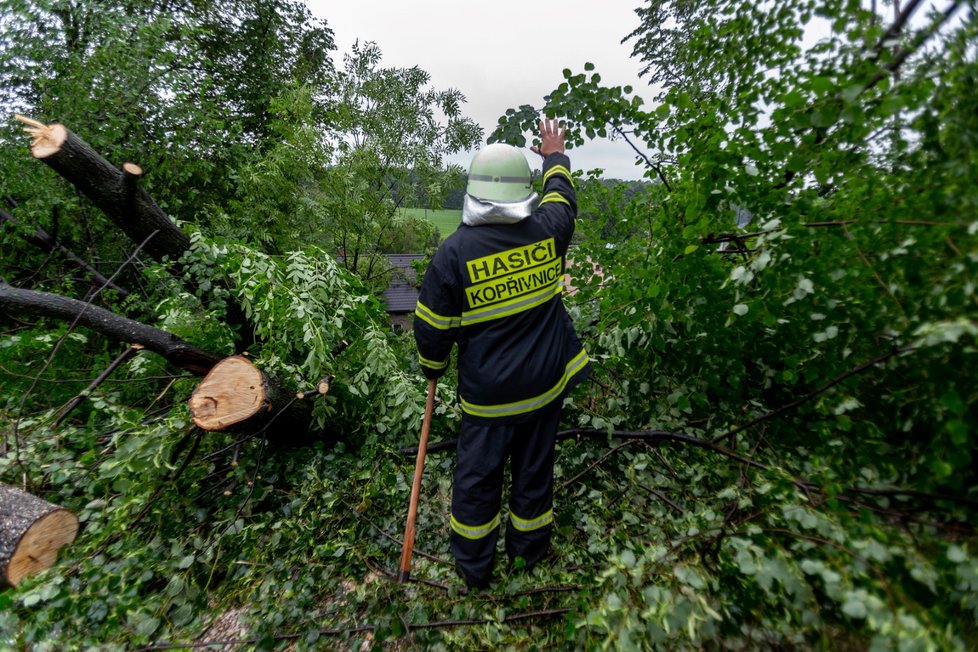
(477,493)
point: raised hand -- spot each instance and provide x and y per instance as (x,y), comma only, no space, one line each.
(551,138)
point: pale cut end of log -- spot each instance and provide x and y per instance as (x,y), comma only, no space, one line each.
(48,139)
(232,392)
(132,169)
(32,531)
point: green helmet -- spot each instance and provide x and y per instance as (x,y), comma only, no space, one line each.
(499,173)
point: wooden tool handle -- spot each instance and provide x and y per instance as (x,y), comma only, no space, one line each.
(408,547)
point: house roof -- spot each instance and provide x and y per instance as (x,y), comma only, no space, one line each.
(401,294)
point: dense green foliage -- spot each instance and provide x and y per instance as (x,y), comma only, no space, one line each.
(787,312)
(831,338)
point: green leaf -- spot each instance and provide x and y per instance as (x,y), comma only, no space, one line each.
(792,99)
(956,554)
(628,558)
(959,431)
(941,468)
(850,93)
(854,608)
(145,625)
(822,84)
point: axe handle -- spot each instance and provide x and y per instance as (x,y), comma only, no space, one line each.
(408,547)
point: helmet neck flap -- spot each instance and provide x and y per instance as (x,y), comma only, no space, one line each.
(477,212)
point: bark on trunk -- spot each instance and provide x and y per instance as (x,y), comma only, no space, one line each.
(31,533)
(115,192)
(236,395)
(184,355)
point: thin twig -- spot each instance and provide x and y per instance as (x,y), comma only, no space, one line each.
(661,496)
(597,462)
(128,353)
(876,276)
(664,461)
(657,168)
(954,225)
(903,53)
(812,394)
(441,624)
(399,542)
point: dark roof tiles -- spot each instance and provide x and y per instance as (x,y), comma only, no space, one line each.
(401,294)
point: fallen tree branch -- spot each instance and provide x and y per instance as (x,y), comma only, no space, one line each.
(895,492)
(953,225)
(75,402)
(439,624)
(812,394)
(45,304)
(598,462)
(391,537)
(661,496)
(648,436)
(117,194)
(113,191)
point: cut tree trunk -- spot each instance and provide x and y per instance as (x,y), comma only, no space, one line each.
(115,192)
(236,395)
(31,533)
(184,355)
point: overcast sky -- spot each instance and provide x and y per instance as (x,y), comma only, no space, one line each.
(501,53)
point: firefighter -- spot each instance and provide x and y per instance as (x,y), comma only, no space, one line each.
(494,289)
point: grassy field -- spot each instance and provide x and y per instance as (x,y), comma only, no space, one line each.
(445,220)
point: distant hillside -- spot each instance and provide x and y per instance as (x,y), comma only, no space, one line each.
(446,220)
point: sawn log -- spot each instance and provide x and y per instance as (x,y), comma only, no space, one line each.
(117,194)
(31,533)
(114,191)
(236,395)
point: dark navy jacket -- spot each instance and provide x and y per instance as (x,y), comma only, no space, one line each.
(495,290)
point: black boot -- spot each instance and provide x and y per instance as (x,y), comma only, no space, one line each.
(472,582)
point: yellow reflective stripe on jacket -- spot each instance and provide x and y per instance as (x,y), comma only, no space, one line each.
(552,197)
(558,169)
(513,306)
(431,364)
(573,367)
(474,531)
(528,525)
(434,319)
